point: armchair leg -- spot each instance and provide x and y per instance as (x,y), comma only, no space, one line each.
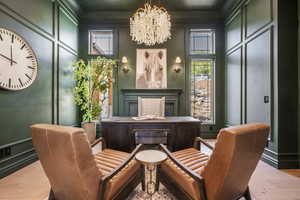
(247,194)
(51,195)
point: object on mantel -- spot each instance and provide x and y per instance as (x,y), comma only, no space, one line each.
(148,117)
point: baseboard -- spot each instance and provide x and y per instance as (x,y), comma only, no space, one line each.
(281,160)
(15,166)
(21,154)
(270,157)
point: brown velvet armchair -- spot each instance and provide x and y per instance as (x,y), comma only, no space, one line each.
(191,174)
(75,173)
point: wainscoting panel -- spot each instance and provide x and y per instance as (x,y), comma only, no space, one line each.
(253,84)
(68,29)
(258,64)
(38,12)
(233,31)
(270,74)
(258,14)
(68,111)
(20,109)
(234,88)
(36,22)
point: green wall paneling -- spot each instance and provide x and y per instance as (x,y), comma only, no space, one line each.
(234,88)
(298,81)
(263,15)
(16,106)
(68,111)
(269,54)
(68,29)
(37,12)
(39,103)
(287,81)
(176,46)
(233,31)
(258,72)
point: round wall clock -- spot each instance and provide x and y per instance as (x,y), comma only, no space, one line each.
(18,63)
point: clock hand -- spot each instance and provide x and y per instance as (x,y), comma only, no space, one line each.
(8,58)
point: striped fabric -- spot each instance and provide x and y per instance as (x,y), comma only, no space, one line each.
(192,159)
(109,159)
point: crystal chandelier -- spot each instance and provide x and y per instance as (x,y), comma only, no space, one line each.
(150,25)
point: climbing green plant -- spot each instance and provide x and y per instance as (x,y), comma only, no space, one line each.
(92,79)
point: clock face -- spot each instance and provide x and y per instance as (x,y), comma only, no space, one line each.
(18,63)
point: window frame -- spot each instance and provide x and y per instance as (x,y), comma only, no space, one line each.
(114,40)
(189,58)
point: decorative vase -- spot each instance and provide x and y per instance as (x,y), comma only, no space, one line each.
(90,129)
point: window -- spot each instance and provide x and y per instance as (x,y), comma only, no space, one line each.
(202,42)
(202,65)
(101,42)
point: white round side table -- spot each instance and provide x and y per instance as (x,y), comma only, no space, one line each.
(150,160)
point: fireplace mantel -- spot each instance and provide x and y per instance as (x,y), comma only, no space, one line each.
(129,100)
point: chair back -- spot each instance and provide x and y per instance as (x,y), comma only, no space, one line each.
(151,106)
(67,160)
(237,152)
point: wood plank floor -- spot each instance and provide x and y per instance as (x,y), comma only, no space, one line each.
(267,183)
(292,172)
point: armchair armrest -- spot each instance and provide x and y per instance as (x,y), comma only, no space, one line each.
(114,172)
(191,173)
(96,141)
(199,139)
(197,177)
(109,176)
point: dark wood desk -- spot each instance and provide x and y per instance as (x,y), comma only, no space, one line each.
(119,132)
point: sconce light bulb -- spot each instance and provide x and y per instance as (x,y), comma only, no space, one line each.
(178,60)
(124,60)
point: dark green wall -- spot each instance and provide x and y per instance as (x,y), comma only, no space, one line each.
(51,29)
(176,46)
(298,81)
(261,60)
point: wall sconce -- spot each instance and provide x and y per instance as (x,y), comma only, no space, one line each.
(178,60)
(178,66)
(125,64)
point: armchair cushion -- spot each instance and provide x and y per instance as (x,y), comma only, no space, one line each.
(107,161)
(192,159)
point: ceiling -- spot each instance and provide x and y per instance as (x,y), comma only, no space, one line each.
(132,5)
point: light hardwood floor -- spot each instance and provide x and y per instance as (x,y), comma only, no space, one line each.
(267,183)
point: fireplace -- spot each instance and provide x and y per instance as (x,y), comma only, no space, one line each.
(151,136)
(129,99)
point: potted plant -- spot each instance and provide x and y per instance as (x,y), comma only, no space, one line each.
(93,80)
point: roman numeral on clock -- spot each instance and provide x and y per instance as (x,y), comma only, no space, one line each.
(30,67)
(12,38)
(29,57)
(9,82)
(23,46)
(1,37)
(20,82)
(28,76)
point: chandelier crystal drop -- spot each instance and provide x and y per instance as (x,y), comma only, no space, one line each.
(150,25)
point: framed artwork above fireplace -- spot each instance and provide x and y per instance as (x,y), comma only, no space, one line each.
(151,70)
